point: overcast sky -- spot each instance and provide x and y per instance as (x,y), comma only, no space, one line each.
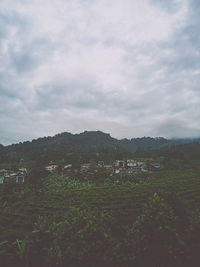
(126,67)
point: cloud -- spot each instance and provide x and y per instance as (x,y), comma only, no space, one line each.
(178,127)
(129,68)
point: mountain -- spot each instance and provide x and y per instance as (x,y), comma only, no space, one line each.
(66,143)
(72,142)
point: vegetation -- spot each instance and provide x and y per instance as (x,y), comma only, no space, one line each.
(155,223)
(142,219)
(83,147)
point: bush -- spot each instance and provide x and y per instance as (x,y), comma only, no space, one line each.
(154,238)
(81,236)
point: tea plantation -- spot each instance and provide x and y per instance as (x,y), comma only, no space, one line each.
(156,223)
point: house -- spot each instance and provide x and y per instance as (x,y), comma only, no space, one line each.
(136,169)
(11,176)
(3,172)
(18,177)
(155,166)
(51,167)
(24,170)
(119,163)
(68,166)
(100,164)
(67,169)
(144,167)
(109,168)
(140,163)
(85,167)
(131,163)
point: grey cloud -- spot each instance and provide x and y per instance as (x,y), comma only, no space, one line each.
(170,5)
(64,94)
(85,94)
(192,30)
(177,128)
(157,82)
(24,52)
(30,55)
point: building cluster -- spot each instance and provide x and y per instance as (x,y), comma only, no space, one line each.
(13,176)
(118,166)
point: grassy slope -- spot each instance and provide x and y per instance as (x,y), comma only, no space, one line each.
(125,202)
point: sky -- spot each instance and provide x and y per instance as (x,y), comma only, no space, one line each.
(126,67)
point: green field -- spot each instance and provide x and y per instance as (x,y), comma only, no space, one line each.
(74,226)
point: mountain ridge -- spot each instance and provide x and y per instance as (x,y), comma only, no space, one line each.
(101,138)
(63,144)
(96,135)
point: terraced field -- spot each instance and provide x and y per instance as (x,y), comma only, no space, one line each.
(125,201)
(21,209)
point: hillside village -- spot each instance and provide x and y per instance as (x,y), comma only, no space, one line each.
(130,166)
(118,166)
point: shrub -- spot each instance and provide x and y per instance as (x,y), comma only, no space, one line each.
(154,238)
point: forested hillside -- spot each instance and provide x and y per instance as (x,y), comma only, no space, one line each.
(61,145)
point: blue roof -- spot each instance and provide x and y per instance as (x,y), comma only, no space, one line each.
(135,170)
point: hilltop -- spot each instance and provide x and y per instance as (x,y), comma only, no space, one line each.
(64,144)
